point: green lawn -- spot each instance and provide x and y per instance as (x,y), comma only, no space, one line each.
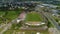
(9,15)
(2,13)
(33,17)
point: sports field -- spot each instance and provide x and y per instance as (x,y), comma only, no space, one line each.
(33,16)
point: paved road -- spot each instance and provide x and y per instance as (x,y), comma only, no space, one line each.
(52,20)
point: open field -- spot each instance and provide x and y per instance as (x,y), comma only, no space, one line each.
(8,15)
(11,15)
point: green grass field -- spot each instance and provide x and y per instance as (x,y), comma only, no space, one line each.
(9,15)
(2,13)
(33,17)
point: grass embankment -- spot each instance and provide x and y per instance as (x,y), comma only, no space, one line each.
(26,32)
(33,16)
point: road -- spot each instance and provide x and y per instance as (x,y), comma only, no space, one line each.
(12,22)
(52,20)
(49,17)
